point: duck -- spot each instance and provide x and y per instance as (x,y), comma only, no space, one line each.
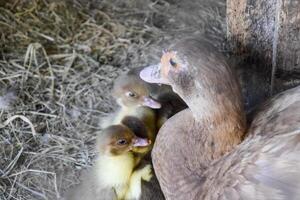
(137,98)
(207,151)
(116,173)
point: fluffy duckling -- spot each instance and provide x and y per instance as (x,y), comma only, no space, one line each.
(132,93)
(170,102)
(116,167)
(154,90)
(205,152)
(135,102)
(119,150)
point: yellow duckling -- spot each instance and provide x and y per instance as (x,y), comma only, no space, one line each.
(138,98)
(115,174)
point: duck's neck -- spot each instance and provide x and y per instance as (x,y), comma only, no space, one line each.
(222,120)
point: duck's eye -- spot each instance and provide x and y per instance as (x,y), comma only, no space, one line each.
(173,63)
(130,94)
(121,142)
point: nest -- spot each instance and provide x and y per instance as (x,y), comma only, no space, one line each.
(57,63)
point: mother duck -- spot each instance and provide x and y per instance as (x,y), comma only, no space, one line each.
(206,151)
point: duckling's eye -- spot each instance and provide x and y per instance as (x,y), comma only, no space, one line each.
(130,94)
(121,142)
(172,63)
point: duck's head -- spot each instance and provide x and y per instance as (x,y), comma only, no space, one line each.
(118,139)
(174,69)
(199,74)
(131,91)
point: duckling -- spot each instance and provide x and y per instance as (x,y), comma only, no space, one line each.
(206,151)
(154,90)
(116,167)
(117,159)
(141,130)
(170,102)
(131,93)
(135,102)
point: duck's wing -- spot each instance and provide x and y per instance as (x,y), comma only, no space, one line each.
(267,164)
(278,115)
(260,168)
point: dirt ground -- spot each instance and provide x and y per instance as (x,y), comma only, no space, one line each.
(58,60)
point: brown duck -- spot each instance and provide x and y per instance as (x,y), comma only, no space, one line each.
(205,151)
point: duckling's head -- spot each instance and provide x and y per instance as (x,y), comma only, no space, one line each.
(131,91)
(118,139)
(198,73)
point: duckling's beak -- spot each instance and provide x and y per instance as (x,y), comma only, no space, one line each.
(151,74)
(141,142)
(149,102)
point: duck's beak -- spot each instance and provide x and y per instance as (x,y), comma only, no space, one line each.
(149,102)
(151,74)
(141,142)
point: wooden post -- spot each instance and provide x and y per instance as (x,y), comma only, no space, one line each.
(266,33)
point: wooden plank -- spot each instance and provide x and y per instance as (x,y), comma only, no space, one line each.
(289,36)
(251,27)
(266,33)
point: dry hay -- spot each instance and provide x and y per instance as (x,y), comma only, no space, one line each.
(59,59)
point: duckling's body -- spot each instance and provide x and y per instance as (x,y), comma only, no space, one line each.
(201,153)
(116,167)
(90,189)
(118,172)
(115,170)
